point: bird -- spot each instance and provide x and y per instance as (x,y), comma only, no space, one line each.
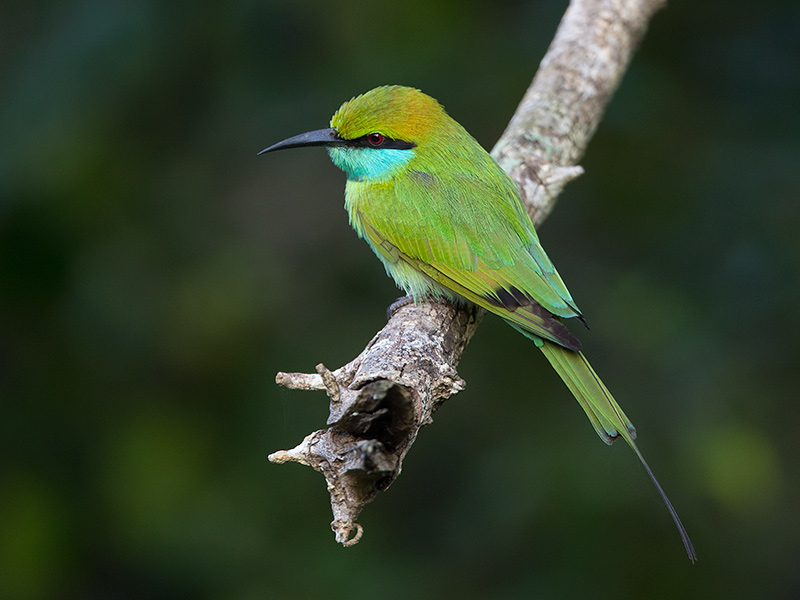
(447,222)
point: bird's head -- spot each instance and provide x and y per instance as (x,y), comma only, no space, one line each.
(375,134)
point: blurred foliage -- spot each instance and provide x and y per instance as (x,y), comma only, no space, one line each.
(155,274)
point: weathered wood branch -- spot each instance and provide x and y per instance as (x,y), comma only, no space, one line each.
(381,399)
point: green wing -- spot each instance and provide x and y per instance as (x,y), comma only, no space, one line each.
(474,238)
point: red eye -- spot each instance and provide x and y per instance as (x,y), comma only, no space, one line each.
(375,139)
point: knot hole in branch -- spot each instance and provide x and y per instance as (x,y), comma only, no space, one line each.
(382,412)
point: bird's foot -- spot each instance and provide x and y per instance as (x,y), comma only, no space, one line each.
(398,304)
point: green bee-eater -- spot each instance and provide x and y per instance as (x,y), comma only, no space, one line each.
(447,221)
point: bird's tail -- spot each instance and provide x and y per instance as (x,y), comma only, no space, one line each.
(605,414)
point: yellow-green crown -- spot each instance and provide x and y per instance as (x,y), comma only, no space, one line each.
(402,113)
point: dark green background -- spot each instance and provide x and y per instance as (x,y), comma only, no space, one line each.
(155,274)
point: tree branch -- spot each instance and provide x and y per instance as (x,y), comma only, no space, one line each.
(381,399)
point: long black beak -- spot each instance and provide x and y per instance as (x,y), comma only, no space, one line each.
(320,137)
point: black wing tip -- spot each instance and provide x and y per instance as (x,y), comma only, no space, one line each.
(572,343)
(563,336)
(514,299)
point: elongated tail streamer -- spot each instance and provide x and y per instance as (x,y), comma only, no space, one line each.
(605,414)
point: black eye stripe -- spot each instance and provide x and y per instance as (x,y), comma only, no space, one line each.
(369,141)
